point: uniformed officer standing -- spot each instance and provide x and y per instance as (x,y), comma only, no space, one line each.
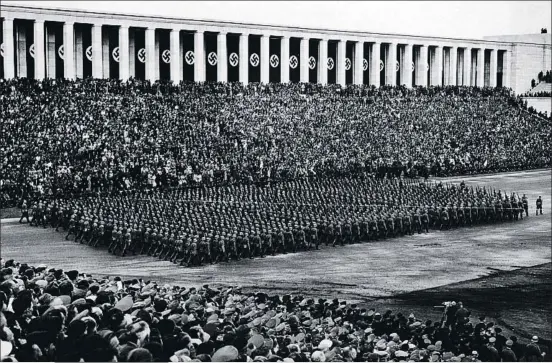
(539,205)
(525,202)
(24,212)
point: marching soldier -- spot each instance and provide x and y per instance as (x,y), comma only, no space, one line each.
(444,219)
(313,236)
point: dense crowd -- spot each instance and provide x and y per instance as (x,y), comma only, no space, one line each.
(199,225)
(61,137)
(48,314)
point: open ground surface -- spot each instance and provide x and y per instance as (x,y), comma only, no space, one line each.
(492,269)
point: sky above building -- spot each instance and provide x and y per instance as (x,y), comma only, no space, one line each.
(459,19)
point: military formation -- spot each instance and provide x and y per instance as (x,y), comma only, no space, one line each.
(207,225)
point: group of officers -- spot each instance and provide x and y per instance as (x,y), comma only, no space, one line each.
(195,226)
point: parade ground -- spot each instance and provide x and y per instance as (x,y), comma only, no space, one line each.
(501,270)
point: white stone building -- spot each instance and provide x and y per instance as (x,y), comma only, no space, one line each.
(56,43)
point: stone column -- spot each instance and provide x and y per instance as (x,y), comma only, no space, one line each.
(467,67)
(97,56)
(422,67)
(79,53)
(375,65)
(390,73)
(68,51)
(199,53)
(480,82)
(406,77)
(284,62)
(124,64)
(265,58)
(244,58)
(175,56)
(453,69)
(446,66)
(21,49)
(51,51)
(40,54)
(341,62)
(181,59)
(506,72)
(493,68)
(106,55)
(132,53)
(150,54)
(358,73)
(156,65)
(9,51)
(304,60)
(222,64)
(437,69)
(323,62)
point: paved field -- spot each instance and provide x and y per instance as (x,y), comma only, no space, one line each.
(361,271)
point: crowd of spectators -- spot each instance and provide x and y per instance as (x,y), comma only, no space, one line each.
(69,137)
(48,314)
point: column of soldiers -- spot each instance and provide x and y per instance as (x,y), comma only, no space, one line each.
(207,225)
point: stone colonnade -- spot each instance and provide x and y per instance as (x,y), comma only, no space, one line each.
(54,47)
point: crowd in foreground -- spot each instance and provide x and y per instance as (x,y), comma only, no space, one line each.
(48,314)
(194,226)
(61,137)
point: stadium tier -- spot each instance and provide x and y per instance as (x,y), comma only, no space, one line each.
(67,137)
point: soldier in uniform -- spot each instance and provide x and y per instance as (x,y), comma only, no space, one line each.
(266,243)
(256,245)
(204,251)
(355,229)
(24,212)
(425,220)
(525,203)
(444,219)
(327,232)
(407,224)
(289,242)
(539,205)
(313,236)
(347,232)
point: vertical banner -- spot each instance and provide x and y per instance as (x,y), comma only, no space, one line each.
(165,54)
(294,60)
(189,56)
(274,62)
(139,53)
(29,34)
(87,51)
(400,50)
(114,51)
(211,56)
(313,60)
(59,49)
(349,59)
(2,50)
(233,57)
(331,61)
(366,63)
(254,58)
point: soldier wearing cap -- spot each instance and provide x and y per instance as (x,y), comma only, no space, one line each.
(525,203)
(539,205)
